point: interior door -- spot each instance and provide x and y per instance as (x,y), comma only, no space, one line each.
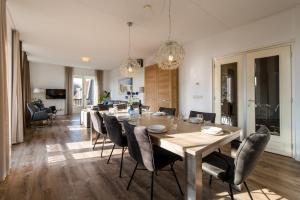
(269,96)
(228,90)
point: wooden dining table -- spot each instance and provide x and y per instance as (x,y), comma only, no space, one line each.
(188,141)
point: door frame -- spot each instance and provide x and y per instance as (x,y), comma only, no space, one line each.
(84,77)
(286,115)
(290,43)
(239,59)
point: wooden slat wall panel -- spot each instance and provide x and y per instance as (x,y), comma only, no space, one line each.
(161,88)
(150,93)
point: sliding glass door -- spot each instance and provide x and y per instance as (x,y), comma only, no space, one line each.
(84,92)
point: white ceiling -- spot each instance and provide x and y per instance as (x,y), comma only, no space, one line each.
(62,31)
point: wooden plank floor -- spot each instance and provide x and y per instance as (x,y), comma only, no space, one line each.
(58,162)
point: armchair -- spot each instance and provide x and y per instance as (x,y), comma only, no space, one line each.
(36,114)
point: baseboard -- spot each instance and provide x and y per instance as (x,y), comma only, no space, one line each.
(297,157)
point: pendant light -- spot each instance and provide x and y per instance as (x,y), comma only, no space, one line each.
(170,54)
(130,67)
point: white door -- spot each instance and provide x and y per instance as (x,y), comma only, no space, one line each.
(228,90)
(269,96)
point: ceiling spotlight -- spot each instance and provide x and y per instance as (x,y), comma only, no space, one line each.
(147,7)
(85,59)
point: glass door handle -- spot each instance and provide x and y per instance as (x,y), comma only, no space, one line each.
(251,100)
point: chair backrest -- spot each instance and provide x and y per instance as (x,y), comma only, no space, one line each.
(39,104)
(133,146)
(97,122)
(32,109)
(206,116)
(168,111)
(114,129)
(145,147)
(249,153)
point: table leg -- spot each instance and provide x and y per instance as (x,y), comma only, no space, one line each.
(91,131)
(193,173)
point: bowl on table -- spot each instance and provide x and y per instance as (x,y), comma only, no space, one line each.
(157,128)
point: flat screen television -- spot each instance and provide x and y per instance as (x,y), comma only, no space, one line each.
(55,93)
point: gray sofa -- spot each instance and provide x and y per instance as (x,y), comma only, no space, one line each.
(36,114)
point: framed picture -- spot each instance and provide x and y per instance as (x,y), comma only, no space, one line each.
(125,85)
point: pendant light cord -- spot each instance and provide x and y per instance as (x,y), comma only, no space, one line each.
(129,38)
(170,22)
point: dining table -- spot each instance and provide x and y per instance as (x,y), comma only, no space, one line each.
(187,140)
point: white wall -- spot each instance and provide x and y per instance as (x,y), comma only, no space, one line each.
(199,55)
(197,68)
(280,28)
(48,76)
(296,85)
(84,72)
(110,80)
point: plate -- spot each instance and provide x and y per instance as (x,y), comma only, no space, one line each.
(211,130)
(157,128)
(159,113)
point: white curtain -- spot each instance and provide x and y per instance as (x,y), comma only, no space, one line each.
(4,123)
(17,134)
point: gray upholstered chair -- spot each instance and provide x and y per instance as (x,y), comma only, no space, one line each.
(206,116)
(151,157)
(234,171)
(115,134)
(168,111)
(36,114)
(98,126)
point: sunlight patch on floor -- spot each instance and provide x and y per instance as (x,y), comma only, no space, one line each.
(54,148)
(87,145)
(77,128)
(261,194)
(79,145)
(267,194)
(95,154)
(56,159)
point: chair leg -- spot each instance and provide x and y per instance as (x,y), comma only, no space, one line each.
(111,153)
(98,136)
(121,164)
(172,169)
(230,192)
(210,180)
(246,186)
(152,180)
(103,146)
(132,175)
